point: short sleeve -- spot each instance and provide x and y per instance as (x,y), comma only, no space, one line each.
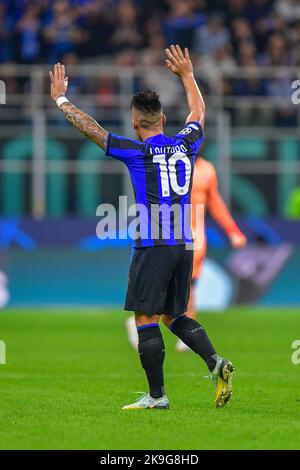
(192,134)
(122,148)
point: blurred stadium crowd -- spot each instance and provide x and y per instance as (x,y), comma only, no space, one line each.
(230,32)
(222,34)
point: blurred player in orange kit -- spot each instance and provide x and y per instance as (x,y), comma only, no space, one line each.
(205,192)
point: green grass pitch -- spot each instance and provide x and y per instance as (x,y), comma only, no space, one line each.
(69,372)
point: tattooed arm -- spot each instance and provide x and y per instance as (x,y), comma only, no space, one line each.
(85,124)
(80,120)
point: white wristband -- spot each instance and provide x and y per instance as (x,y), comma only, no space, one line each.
(61,100)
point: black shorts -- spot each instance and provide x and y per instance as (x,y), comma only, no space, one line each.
(159,280)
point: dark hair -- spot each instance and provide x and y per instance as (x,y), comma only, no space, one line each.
(147,102)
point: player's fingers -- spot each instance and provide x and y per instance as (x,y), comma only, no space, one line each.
(174,52)
(58,74)
(58,71)
(62,72)
(55,72)
(179,51)
(170,65)
(170,55)
(51,76)
(187,54)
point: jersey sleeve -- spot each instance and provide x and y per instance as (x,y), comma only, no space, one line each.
(122,148)
(192,134)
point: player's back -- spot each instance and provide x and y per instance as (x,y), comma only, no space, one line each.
(161,171)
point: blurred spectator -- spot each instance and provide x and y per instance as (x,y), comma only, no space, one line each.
(289,10)
(28,35)
(77,83)
(252,84)
(126,33)
(294,40)
(152,55)
(259,9)
(211,65)
(247,54)
(241,32)
(5,38)
(236,8)
(279,86)
(106,92)
(127,58)
(267,25)
(62,33)
(212,36)
(97,19)
(181,23)
(160,80)
(276,53)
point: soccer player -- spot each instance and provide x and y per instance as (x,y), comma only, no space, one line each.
(161,170)
(206,192)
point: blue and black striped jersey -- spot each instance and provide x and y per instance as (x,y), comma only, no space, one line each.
(161,172)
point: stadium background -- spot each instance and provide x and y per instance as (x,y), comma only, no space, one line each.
(66,375)
(246,57)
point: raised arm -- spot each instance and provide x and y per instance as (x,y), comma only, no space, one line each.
(80,120)
(181,65)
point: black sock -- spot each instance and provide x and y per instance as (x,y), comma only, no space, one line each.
(195,337)
(152,354)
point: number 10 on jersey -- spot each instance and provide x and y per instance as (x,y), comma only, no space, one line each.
(168,176)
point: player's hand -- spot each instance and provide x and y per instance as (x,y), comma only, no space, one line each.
(179,63)
(59,81)
(238,240)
